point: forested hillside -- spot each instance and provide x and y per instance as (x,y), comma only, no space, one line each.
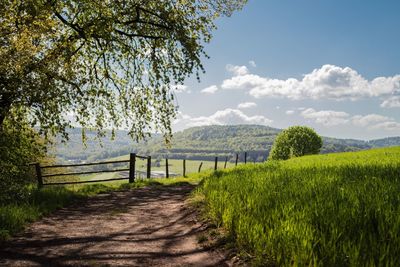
(199,143)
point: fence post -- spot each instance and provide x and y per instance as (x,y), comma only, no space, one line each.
(245,157)
(166,168)
(237,159)
(132,163)
(148,167)
(226,161)
(216,164)
(184,168)
(39,175)
(201,164)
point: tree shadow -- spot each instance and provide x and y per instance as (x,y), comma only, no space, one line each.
(139,231)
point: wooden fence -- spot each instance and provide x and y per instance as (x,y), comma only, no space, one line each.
(132,170)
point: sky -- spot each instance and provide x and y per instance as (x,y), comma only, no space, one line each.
(330,65)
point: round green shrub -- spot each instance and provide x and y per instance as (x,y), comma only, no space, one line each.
(295,141)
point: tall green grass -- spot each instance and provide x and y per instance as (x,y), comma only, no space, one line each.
(325,210)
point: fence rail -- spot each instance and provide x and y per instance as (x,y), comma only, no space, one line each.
(83,164)
(80,173)
(133,173)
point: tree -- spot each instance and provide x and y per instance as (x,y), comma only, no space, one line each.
(18,147)
(295,141)
(106,64)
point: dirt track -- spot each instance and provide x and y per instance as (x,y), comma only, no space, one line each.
(142,227)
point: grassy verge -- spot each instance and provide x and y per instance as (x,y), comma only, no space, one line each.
(326,210)
(14,217)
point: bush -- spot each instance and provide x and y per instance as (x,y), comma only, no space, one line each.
(295,141)
(19,146)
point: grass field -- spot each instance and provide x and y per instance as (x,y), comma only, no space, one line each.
(176,165)
(325,210)
(175,168)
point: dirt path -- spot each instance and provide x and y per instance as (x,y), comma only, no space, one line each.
(142,227)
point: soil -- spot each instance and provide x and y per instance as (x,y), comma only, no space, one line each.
(151,226)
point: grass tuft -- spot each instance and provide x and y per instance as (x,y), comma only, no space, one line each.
(331,210)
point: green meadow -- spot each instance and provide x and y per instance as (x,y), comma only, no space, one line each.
(176,165)
(175,169)
(325,210)
(328,210)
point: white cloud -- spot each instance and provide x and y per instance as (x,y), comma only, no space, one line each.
(368,120)
(179,88)
(328,82)
(237,70)
(391,102)
(247,105)
(222,117)
(326,117)
(181,117)
(252,63)
(289,112)
(335,118)
(387,125)
(210,90)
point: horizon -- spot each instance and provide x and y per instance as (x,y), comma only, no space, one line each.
(334,67)
(260,125)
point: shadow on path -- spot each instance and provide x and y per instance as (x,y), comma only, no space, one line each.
(142,227)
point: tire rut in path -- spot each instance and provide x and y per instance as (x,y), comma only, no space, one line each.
(142,227)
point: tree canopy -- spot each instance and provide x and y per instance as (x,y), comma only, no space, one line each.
(106,64)
(295,141)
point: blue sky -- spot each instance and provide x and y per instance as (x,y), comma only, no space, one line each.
(331,65)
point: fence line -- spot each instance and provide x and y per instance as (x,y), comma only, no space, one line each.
(131,169)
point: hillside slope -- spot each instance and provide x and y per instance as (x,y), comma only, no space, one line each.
(200,143)
(339,209)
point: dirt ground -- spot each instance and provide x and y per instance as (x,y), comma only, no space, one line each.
(141,227)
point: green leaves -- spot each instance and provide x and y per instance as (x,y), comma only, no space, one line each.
(19,146)
(109,64)
(295,141)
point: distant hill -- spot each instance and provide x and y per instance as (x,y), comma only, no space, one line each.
(200,143)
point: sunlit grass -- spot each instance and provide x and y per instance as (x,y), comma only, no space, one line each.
(330,210)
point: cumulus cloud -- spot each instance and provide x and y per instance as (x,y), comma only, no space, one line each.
(368,120)
(179,88)
(210,90)
(237,70)
(335,118)
(247,105)
(327,82)
(387,125)
(222,117)
(391,102)
(326,117)
(252,63)
(375,121)
(180,117)
(289,112)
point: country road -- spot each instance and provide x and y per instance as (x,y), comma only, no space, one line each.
(141,227)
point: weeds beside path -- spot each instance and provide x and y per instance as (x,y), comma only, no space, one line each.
(149,226)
